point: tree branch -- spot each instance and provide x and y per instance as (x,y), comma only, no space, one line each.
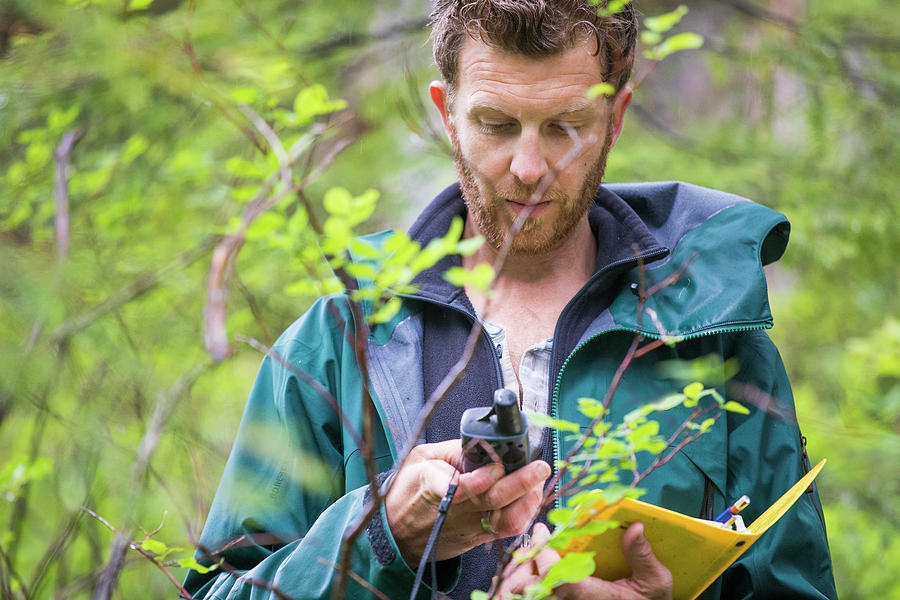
(61,191)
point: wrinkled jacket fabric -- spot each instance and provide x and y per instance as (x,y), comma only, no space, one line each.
(295,483)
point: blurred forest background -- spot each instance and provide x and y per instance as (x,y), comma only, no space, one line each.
(151,109)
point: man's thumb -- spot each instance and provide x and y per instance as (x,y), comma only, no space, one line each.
(639,554)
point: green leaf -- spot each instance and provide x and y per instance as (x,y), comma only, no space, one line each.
(663,23)
(667,403)
(304,287)
(191,563)
(312,102)
(59,119)
(613,7)
(134,147)
(692,390)
(362,249)
(611,448)
(154,546)
(479,277)
(386,312)
(648,429)
(542,420)
(681,41)
(362,206)
(264,226)
(560,516)
(601,89)
(571,568)
(244,95)
(598,526)
(469,246)
(650,38)
(479,595)
(454,233)
(38,154)
(737,407)
(241,167)
(361,270)
(590,407)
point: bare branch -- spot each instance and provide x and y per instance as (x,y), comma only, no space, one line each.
(214,311)
(378,593)
(659,460)
(317,387)
(633,352)
(61,191)
(108,577)
(183,593)
(272,138)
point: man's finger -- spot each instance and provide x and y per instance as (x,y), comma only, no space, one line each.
(547,557)
(512,519)
(646,571)
(476,483)
(516,484)
(448,451)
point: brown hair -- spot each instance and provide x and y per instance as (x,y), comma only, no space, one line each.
(534,28)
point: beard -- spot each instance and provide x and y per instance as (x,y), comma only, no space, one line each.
(540,233)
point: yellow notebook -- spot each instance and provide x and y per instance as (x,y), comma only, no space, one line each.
(694,550)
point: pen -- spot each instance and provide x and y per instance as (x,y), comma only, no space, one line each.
(728,514)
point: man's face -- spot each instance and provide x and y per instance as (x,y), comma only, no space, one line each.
(510,125)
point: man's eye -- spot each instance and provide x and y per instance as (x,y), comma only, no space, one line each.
(564,128)
(496,128)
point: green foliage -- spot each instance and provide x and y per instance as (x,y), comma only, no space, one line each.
(609,452)
(796,110)
(572,568)
(658,47)
(168,159)
(19,472)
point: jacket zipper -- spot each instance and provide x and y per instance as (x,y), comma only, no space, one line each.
(553,412)
(554,401)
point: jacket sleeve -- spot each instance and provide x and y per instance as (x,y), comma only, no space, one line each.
(766,457)
(281,510)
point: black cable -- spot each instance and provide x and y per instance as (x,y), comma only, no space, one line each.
(443,507)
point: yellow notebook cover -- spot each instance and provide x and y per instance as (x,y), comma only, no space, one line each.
(694,550)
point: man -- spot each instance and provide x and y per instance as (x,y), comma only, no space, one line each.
(514,101)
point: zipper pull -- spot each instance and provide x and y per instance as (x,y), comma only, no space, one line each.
(805,461)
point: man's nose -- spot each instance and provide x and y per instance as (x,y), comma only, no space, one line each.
(528,162)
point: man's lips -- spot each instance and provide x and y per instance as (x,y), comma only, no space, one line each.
(519,205)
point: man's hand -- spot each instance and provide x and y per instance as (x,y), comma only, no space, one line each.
(649,580)
(487,504)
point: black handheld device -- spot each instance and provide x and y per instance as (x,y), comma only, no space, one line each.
(496,433)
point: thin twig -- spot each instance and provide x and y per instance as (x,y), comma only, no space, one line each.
(214,312)
(632,353)
(659,460)
(305,377)
(164,407)
(183,593)
(272,138)
(61,191)
(378,593)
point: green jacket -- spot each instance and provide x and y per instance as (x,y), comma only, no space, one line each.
(295,482)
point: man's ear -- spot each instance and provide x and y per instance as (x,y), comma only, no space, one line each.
(438,92)
(619,106)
